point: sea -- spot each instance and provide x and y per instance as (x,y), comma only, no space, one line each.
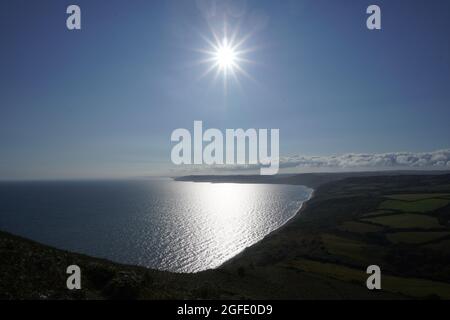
(157,223)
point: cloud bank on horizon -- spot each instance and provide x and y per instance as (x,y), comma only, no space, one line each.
(435,159)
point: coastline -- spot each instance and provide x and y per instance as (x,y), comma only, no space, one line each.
(308,257)
(270,234)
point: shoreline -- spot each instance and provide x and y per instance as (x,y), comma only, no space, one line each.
(292,262)
(270,234)
(307,191)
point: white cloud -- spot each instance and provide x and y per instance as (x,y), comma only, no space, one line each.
(435,159)
(345,162)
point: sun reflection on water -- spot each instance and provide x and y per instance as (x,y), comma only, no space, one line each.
(235,216)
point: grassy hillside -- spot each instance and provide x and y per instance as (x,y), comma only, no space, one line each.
(399,222)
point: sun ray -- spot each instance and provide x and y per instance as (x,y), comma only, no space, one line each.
(226,53)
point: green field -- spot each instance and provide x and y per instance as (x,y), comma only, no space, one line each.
(359,227)
(377,213)
(442,246)
(406,220)
(415,237)
(412,287)
(352,249)
(417,196)
(421,206)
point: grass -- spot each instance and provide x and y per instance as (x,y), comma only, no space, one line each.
(420,206)
(406,220)
(377,213)
(352,249)
(415,237)
(359,227)
(417,196)
(442,246)
(411,287)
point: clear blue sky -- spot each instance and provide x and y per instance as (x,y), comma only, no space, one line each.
(103,101)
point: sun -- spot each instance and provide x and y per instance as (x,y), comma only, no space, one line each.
(226,56)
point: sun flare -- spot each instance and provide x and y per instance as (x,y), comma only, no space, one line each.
(226,56)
